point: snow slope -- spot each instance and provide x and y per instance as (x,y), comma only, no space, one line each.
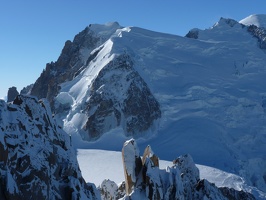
(98,165)
(257,20)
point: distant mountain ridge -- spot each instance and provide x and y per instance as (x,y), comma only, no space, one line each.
(202,94)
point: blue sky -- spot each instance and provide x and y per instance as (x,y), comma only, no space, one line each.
(33,33)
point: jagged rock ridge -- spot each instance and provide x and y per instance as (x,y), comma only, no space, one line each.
(37,160)
(144,179)
(66,67)
(26,90)
(260,34)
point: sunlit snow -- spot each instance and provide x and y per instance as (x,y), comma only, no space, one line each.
(257,20)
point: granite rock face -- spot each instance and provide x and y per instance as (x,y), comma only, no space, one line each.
(120,97)
(132,165)
(37,160)
(144,179)
(260,34)
(68,65)
(11,94)
(26,90)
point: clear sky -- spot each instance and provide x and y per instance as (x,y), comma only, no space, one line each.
(33,33)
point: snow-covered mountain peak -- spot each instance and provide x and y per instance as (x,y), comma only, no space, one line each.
(225,30)
(105,30)
(226,21)
(258,20)
(232,33)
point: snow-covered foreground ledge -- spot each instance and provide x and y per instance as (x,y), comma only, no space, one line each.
(97,165)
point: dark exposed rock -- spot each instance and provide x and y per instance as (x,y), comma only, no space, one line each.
(11,94)
(180,181)
(37,161)
(234,194)
(260,34)
(121,192)
(194,33)
(119,92)
(151,179)
(65,68)
(26,90)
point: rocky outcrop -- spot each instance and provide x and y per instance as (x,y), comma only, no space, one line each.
(234,194)
(109,190)
(69,63)
(144,180)
(260,34)
(11,94)
(26,90)
(37,160)
(148,153)
(194,33)
(132,165)
(120,97)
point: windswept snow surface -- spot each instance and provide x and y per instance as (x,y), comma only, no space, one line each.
(97,165)
(257,20)
(211,91)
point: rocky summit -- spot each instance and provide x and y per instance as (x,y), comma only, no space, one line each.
(12,94)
